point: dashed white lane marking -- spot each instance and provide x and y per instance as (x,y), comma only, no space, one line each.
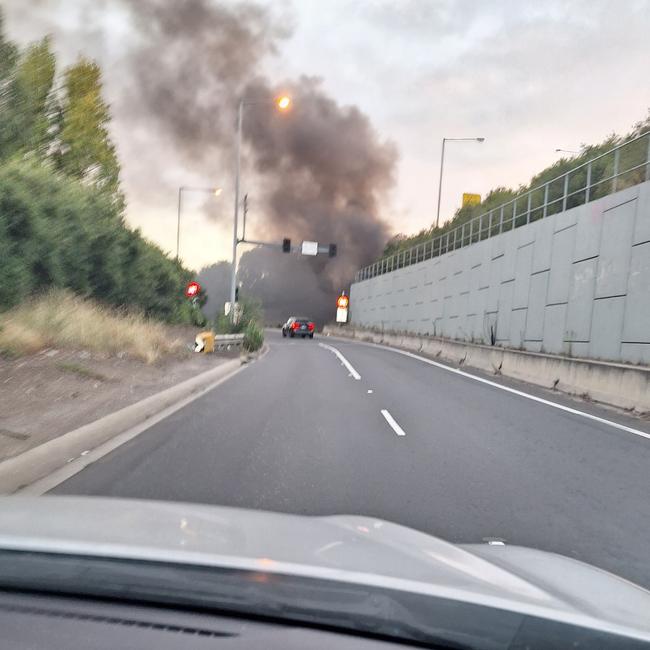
(391,421)
(520,393)
(342,359)
(370,391)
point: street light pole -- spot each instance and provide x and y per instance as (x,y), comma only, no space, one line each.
(442,164)
(178,223)
(233,271)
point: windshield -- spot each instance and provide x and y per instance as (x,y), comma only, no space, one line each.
(455,199)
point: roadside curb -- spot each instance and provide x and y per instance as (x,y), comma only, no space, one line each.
(39,462)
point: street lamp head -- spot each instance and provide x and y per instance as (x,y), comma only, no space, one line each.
(480,139)
(283,102)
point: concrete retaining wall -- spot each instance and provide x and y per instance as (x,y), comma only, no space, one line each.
(617,384)
(576,283)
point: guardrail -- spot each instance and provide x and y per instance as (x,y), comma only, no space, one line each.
(228,340)
(623,166)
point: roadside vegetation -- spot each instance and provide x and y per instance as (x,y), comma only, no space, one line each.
(250,323)
(61,207)
(630,156)
(61,320)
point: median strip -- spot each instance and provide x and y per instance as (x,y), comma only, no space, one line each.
(342,359)
(392,423)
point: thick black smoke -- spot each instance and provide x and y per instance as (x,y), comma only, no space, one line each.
(323,172)
(319,172)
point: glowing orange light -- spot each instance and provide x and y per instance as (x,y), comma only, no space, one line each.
(283,102)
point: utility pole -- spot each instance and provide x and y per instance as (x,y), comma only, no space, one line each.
(442,164)
(243,235)
(233,277)
(178,223)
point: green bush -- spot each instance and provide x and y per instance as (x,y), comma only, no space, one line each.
(56,232)
(253,336)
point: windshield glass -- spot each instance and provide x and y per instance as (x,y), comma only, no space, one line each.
(453,196)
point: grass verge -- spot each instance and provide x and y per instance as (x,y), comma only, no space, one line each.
(61,319)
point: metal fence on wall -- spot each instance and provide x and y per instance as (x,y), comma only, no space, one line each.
(623,166)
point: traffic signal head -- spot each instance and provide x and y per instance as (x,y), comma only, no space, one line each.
(192,289)
(332,251)
(286,245)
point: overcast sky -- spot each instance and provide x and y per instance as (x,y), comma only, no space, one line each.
(529,76)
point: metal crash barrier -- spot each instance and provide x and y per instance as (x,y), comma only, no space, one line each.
(207,342)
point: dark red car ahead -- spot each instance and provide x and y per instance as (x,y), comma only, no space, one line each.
(299,327)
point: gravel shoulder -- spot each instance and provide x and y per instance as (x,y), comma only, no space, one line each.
(45,395)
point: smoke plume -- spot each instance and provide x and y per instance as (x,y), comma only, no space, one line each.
(319,172)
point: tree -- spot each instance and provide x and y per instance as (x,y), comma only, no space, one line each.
(85,149)
(26,99)
(8,54)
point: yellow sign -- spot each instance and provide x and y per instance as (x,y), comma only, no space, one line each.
(471,199)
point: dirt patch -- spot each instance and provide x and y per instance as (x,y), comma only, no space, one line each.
(55,391)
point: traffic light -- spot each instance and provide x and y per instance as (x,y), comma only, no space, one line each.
(332,251)
(286,245)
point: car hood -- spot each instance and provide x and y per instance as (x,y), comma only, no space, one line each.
(359,550)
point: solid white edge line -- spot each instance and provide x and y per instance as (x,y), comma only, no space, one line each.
(514,391)
(393,424)
(343,360)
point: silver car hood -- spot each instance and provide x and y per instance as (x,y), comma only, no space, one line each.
(352,549)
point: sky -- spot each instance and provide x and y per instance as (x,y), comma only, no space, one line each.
(529,76)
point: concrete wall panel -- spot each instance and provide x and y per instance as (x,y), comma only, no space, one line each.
(576,283)
(522,276)
(588,227)
(581,296)
(606,328)
(561,258)
(536,305)
(636,324)
(616,241)
(554,319)
(642,222)
(543,244)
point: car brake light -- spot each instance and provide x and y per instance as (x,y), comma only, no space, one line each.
(311,326)
(295,326)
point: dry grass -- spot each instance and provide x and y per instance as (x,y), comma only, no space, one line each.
(60,319)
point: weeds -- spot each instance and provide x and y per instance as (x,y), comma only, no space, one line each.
(60,319)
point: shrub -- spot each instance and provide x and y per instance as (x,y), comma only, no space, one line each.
(253,336)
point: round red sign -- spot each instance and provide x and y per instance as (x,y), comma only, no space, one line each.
(192,289)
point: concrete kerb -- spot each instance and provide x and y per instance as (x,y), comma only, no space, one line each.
(620,385)
(37,463)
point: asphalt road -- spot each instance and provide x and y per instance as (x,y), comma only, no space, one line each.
(296,432)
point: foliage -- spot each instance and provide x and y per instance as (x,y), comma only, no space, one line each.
(25,106)
(253,336)
(250,323)
(60,319)
(48,240)
(61,221)
(85,150)
(601,169)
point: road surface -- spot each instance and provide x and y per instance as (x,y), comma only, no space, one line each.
(356,429)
